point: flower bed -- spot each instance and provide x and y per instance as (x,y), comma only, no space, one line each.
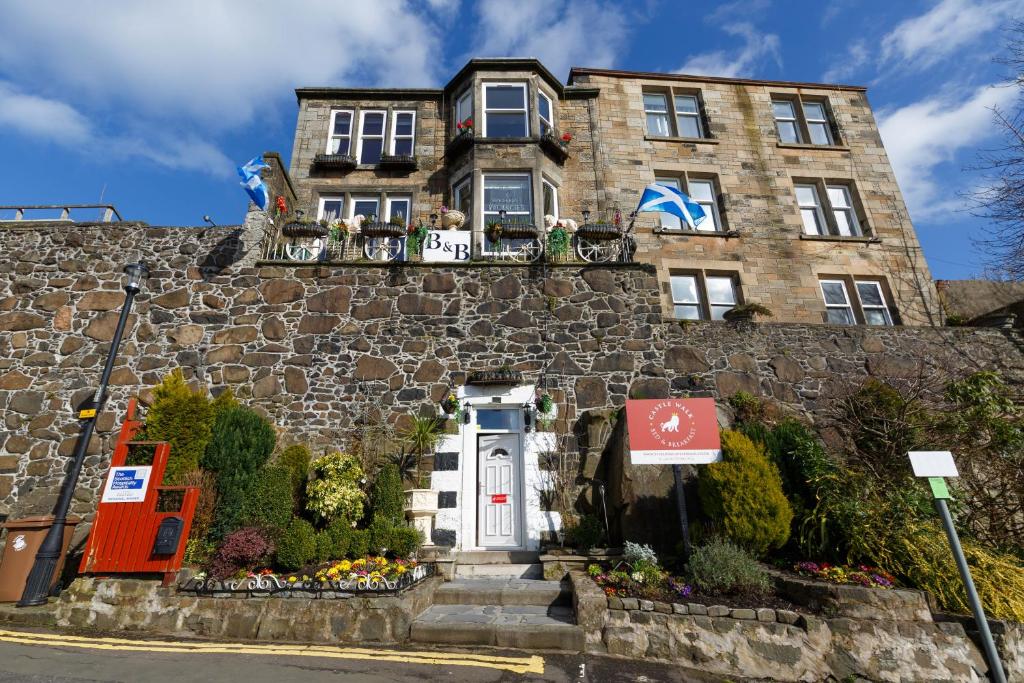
(862,575)
(622,583)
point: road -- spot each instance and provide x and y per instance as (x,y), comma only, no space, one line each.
(39,656)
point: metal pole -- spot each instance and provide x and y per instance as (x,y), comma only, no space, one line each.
(684,521)
(995,666)
(37,586)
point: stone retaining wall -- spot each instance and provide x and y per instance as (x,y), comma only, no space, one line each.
(126,605)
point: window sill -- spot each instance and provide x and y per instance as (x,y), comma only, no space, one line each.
(800,145)
(696,233)
(862,239)
(692,141)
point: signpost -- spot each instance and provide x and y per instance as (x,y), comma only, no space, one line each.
(936,466)
(677,432)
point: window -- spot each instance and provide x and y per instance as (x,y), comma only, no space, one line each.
(508,192)
(497,420)
(703,192)
(371,136)
(544,111)
(656,110)
(403,132)
(505,111)
(364,206)
(330,208)
(836,216)
(815,126)
(462,199)
(340,139)
(464,107)
(688,116)
(701,296)
(838,310)
(398,206)
(872,303)
(550,199)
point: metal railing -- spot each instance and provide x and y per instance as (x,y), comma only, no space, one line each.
(107,212)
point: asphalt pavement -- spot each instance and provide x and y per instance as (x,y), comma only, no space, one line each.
(41,656)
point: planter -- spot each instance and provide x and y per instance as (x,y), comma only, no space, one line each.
(453,220)
(398,162)
(298,229)
(501,377)
(378,229)
(554,147)
(738,316)
(420,508)
(599,231)
(335,162)
(515,231)
(459,144)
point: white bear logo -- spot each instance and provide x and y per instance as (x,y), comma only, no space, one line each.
(19,543)
(672,425)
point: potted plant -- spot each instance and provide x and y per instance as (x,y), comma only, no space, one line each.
(421,437)
(494,230)
(746,312)
(452,219)
(545,403)
(298,226)
(450,404)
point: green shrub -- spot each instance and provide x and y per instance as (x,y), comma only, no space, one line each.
(398,540)
(743,496)
(587,533)
(184,418)
(340,533)
(268,501)
(325,546)
(241,444)
(335,491)
(387,499)
(296,459)
(297,546)
(723,568)
(358,543)
(225,399)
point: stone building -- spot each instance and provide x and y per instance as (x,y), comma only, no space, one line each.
(804,218)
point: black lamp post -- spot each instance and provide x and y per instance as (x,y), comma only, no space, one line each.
(37,586)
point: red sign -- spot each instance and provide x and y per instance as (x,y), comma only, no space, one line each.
(673,431)
(499,498)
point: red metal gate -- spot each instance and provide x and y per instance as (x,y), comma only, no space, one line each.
(123,534)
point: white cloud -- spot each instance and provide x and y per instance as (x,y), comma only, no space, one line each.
(756,48)
(560,33)
(41,117)
(922,136)
(857,55)
(944,30)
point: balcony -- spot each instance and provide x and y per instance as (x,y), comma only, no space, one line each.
(334,162)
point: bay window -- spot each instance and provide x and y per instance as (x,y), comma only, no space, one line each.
(544,112)
(505,111)
(464,107)
(511,193)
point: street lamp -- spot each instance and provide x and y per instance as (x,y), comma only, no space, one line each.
(37,586)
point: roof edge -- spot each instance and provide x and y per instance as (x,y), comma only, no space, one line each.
(503,64)
(616,73)
(368,93)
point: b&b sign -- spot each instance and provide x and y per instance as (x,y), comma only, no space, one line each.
(126,484)
(673,431)
(447,246)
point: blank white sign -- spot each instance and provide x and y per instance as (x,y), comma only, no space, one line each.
(933,464)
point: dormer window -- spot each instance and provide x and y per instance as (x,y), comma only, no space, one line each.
(505,114)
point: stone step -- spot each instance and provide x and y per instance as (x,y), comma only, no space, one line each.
(498,557)
(504,592)
(526,627)
(507,571)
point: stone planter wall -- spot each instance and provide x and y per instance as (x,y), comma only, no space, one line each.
(126,605)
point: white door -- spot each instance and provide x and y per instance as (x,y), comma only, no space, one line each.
(498,491)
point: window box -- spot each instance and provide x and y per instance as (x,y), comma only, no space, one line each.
(334,162)
(599,231)
(551,142)
(382,229)
(459,144)
(304,229)
(398,162)
(517,231)
(501,376)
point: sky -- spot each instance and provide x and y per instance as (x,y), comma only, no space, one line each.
(151,105)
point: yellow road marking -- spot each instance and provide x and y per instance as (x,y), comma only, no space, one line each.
(522,665)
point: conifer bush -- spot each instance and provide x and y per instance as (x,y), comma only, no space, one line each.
(182,417)
(296,459)
(388,499)
(268,502)
(358,543)
(340,533)
(743,496)
(241,445)
(297,546)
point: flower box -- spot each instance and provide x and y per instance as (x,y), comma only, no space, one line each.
(379,229)
(335,162)
(398,162)
(551,143)
(599,231)
(501,377)
(518,231)
(459,144)
(303,229)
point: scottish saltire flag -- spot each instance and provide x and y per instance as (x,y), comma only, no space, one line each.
(253,183)
(670,200)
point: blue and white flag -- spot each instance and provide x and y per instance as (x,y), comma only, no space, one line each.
(667,199)
(253,183)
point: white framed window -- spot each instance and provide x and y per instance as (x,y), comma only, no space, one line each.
(810,210)
(403,133)
(872,303)
(700,296)
(505,114)
(669,221)
(656,112)
(464,107)
(511,193)
(339,141)
(371,136)
(685,297)
(817,123)
(842,210)
(398,206)
(702,191)
(331,208)
(545,111)
(721,295)
(785,121)
(838,310)
(688,121)
(462,199)
(364,206)
(550,198)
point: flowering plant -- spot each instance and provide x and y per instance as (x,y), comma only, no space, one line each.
(862,575)
(339,231)
(465,126)
(282,208)
(373,568)
(444,209)
(566,138)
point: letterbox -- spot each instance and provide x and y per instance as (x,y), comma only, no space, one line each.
(168,536)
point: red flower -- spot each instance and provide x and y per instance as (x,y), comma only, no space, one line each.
(469,123)
(566,137)
(281,206)
(459,125)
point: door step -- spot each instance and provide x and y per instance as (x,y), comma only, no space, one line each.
(524,626)
(498,557)
(504,593)
(499,571)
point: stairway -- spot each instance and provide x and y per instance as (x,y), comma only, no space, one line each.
(502,612)
(494,564)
